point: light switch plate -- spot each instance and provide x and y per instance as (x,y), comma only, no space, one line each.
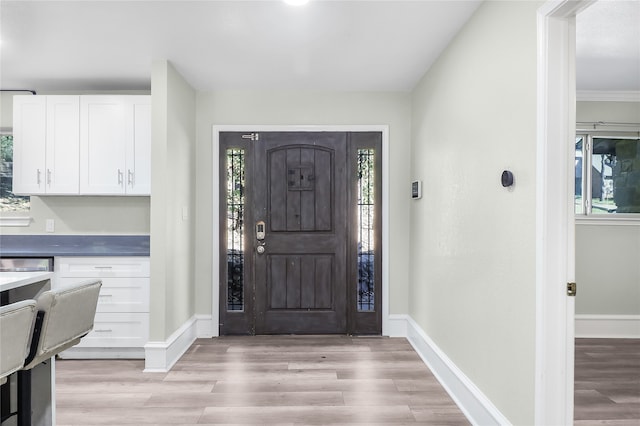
(49,225)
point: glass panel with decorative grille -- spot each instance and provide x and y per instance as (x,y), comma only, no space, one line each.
(235,228)
(366,234)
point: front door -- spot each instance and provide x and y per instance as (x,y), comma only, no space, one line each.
(301,245)
(300,195)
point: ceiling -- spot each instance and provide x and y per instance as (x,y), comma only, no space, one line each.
(356,45)
(215,45)
(608,46)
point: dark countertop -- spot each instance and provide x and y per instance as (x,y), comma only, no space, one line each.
(73,245)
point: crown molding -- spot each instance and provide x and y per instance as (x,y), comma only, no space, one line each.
(608,96)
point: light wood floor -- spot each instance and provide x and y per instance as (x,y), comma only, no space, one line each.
(283,380)
(607,382)
(316,380)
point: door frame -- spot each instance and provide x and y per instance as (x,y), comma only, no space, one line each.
(555,219)
(217,129)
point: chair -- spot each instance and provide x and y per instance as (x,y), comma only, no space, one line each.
(64,316)
(16,328)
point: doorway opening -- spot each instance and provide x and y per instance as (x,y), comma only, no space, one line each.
(300,232)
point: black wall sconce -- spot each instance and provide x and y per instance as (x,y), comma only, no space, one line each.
(507,179)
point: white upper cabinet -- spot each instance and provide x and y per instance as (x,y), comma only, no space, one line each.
(139,153)
(105,130)
(63,145)
(115,145)
(29,133)
(87,145)
(46,145)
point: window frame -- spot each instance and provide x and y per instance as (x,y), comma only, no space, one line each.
(587,216)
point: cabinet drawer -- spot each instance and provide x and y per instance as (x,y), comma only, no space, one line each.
(111,330)
(120,294)
(99,267)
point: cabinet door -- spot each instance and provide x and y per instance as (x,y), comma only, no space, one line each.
(116,330)
(105,131)
(139,152)
(62,173)
(29,135)
(103,267)
(119,294)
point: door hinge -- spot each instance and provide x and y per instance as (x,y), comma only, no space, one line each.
(572,288)
(252,136)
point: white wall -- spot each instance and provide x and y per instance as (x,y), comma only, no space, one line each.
(608,269)
(472,266)
(617,112)
(172,201)
(607,255)
(6,109)
(86,215)
(311,108)
(80,215)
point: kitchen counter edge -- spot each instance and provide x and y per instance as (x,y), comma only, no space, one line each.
(74,245)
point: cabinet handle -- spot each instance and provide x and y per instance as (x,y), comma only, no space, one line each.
(49,177)
(103,331)
(120,177)
(103,267)
(130,177)
(38,176)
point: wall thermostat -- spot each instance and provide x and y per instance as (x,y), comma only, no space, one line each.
(507,178)
(416,189)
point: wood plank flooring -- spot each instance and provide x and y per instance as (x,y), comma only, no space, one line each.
(607,382)
(289,380)
(284,380)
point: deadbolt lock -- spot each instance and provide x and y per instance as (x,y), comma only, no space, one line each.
(260,230)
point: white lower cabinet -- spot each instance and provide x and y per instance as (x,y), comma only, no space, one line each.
(118,330)
(121,326)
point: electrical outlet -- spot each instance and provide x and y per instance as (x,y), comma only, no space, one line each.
(49,225)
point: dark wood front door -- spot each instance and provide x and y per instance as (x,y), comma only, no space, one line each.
(300,194)
(291,256)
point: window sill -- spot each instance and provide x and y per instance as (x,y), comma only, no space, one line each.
(15,221)
(620,219)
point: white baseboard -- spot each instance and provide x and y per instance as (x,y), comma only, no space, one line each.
(474,404)
(79,352)
(395,326)
(160,356)
(608,326)
(204,327)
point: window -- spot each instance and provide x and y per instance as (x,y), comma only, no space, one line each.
(366,231)
(235,228)
(607,173)
(8,201)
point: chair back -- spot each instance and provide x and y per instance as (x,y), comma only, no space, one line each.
(16,328)
(65,315)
